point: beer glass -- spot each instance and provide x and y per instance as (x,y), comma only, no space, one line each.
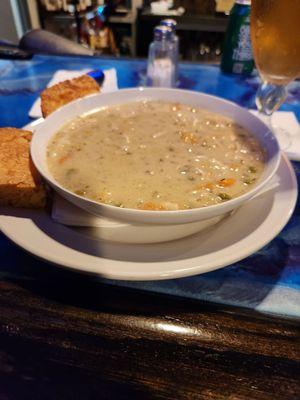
(275,40)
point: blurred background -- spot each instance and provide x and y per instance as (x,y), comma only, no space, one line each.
(121,27)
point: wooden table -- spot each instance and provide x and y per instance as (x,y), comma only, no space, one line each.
(69,336)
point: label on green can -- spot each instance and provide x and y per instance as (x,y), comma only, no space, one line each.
(237,54)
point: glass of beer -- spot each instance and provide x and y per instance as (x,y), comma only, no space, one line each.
(275,40)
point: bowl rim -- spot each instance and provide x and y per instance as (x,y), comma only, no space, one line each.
(132,211)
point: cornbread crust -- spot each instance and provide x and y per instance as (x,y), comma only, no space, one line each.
(62,93)
(20,182)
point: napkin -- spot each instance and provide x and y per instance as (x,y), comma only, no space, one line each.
(110,84)
(67,213)
(287,120)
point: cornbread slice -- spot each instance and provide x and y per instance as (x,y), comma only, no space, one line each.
(20,183)
(64,92)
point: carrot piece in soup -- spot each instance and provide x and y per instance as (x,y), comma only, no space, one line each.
(226,182)
(151,206)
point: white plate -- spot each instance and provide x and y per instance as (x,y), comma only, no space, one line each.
(241,234)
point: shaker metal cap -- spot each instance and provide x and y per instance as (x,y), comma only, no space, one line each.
(171,23)
(163,32)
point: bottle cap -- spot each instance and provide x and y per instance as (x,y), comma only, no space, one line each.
(171,23)
(98,75)
(162,32)
(243,2)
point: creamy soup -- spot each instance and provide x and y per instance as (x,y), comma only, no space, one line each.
(154,155)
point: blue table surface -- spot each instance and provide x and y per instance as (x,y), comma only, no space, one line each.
(269,280)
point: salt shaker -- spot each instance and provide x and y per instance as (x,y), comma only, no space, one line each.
(171,23)
(162,59)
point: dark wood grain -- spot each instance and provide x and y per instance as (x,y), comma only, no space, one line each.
(65,336)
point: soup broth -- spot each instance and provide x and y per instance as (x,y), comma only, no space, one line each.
(154,155)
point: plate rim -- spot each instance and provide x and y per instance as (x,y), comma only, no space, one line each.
(178,272)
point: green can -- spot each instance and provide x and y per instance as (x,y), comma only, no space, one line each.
(237,56)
